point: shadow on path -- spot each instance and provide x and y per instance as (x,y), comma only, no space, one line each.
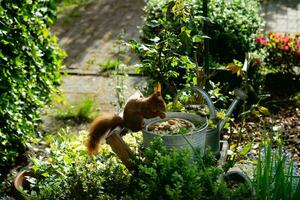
(89,36)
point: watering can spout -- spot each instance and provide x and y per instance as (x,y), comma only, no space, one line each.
(239,95)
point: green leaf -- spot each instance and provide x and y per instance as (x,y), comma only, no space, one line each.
(264,110)
(197,38)
(245,150)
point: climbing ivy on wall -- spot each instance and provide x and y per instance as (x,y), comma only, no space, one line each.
(30,59)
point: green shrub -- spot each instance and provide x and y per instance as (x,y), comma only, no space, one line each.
(235,24)
(171,174)
(171,33)
(171,44)
(69,173)
(30,60)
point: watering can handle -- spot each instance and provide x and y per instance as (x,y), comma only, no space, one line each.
(211,107)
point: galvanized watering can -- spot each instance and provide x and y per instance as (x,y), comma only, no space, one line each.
(201,136)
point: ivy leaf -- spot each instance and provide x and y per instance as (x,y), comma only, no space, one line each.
(197,38)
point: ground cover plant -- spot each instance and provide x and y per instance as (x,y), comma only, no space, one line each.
(78,112)
(30,60)
(69,173)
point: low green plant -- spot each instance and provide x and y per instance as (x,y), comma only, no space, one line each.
(82,111)
(67,172)
(296,98)
(66,5)
(178,174)
(109,64)
(275,174)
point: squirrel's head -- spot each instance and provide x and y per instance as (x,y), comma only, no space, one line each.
(157,100)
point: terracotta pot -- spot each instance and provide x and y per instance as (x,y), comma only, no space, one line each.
(237,176)
(21,181)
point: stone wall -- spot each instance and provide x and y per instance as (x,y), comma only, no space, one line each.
(282,16)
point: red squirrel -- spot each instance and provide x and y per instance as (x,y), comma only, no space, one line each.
(133,118)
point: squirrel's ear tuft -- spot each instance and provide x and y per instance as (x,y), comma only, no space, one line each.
(157,89)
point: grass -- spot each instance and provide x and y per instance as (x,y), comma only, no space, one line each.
(109,64)
(82,111)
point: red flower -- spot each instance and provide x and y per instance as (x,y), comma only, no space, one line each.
(261,40)
(298,53)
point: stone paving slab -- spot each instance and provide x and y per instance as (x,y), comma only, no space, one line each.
(89,37)
(101,89)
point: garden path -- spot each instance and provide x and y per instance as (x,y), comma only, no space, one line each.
(88,34)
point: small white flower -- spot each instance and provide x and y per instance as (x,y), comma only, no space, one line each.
(277,128)
(229,152)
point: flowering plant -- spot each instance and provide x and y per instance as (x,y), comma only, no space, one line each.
(283,50)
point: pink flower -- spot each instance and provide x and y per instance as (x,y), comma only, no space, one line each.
(261,40)
(286,39)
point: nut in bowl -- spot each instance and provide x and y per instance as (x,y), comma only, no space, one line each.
(173,126)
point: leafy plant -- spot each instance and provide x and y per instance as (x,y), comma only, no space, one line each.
(171,46)
(67,172)
(234,27)
(171,35)
(275,174)
(176,174)
(30,60)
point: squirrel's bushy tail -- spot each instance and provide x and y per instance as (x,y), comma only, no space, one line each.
(99,130)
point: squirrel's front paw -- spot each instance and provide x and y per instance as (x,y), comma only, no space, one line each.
(162,115)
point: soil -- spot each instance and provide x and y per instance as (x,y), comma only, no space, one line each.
(286,121)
